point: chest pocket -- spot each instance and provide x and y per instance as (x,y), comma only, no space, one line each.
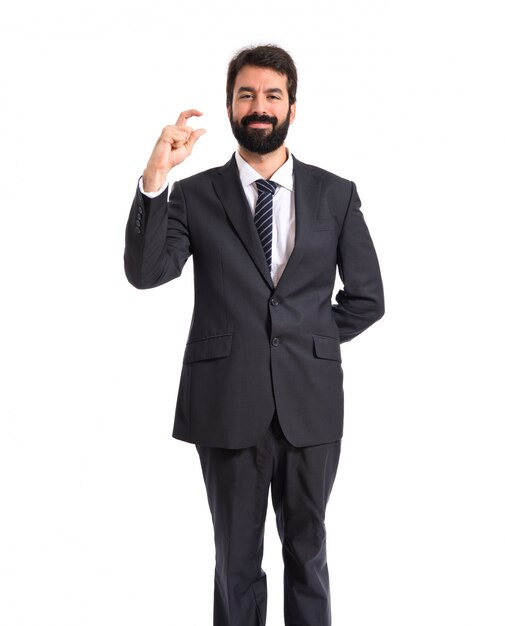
(327,223)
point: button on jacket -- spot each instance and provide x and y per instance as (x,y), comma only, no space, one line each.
(255,346)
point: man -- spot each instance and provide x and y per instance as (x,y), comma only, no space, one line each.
(261,384)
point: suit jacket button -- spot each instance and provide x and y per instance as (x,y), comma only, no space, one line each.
(138,230)
(274,301)
(275,341)
(139,209)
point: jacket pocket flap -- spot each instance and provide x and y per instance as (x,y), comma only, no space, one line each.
(213,347)
(327,347)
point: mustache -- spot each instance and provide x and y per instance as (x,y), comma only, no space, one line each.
(248,119)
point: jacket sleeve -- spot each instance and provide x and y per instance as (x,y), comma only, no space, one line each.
(157,241)
(361,301)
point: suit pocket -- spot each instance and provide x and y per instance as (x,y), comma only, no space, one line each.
(327,348)
(213,347)
(326,224)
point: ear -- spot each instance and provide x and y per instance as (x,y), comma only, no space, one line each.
(228,110)
(293,113)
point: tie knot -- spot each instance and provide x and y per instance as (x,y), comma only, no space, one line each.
(266,186)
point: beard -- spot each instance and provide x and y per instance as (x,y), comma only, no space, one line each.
(260,140)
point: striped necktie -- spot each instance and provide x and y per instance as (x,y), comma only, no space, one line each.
(263,216)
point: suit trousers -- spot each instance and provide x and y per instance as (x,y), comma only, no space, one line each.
(237,482)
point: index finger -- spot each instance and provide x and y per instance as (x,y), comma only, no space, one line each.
(185,115)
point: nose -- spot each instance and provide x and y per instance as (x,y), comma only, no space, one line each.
(259,105)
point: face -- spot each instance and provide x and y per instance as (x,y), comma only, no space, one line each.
(260,113)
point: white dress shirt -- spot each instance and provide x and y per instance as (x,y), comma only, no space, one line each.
(283,209)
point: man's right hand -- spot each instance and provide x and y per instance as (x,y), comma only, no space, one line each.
(173,146)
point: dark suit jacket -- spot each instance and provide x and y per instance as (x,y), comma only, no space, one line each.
(253,347)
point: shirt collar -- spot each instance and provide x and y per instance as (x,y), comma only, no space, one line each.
(283,176)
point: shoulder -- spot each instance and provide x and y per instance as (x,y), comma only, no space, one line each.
(301,170)
(207,176)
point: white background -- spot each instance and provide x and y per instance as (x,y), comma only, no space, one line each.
(104,518)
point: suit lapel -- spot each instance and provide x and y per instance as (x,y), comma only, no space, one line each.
(307,189)
(231,194)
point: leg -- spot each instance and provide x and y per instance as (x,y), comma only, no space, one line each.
(301,487)
(237,483)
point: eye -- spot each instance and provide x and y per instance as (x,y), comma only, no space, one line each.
(245,96)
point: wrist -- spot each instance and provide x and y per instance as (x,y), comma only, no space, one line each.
(153,180)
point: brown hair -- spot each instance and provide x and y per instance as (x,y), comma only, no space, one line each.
(269,56)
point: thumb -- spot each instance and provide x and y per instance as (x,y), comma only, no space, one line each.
(196,134)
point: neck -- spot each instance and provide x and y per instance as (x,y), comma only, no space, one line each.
(265,164)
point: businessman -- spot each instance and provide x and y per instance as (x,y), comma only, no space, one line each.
(260,391)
